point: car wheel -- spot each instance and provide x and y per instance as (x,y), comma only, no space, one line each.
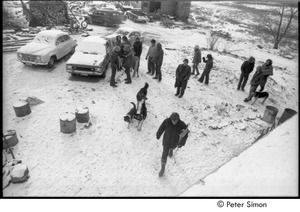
(84,24)
(51,62)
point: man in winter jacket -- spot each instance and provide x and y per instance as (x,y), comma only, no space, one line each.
(127,63)
(151,54)
(255,82)
(183,73)
(208,66)
(158,60)
(196,60)
(246,68)
(172,128)
(267,70)
(137,48)
(114,63)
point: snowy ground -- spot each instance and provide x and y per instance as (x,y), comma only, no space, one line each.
(107,159)
(268,168)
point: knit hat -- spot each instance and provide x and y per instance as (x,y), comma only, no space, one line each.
(117,48)
(209,56)
(197,47)
(186,60)
(174,116)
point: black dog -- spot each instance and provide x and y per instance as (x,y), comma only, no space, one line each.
(142,94)
(258,95)
(130,115)
(141,114)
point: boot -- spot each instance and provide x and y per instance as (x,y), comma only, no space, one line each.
(162,170)
(171,153)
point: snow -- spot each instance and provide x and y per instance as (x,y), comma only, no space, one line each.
(82,110)
(106,158)
(67,116)
(268,168)
(20,104)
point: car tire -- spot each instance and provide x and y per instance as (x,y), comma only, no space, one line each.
(84,24)
(51,62)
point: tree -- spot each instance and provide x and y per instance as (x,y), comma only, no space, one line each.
(279,30)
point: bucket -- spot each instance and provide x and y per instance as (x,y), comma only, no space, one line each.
(288,113)
(11,139)
(270,114)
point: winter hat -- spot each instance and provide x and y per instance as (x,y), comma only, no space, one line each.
(209,56)
(197,47)
(124,38)
(127,48)
(187,61)
(271,62)
(252,58)
(117,48)
(174,116)
(153,41)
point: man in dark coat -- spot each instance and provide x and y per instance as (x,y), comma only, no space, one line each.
(255,82)
(172,128)
(127,63)
(267,70)
(208,66)
(246,69)
(151,54)
(183,73)
(196,60)
(114,63)
(137,48)
(158,60)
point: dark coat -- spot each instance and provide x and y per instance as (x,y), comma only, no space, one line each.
(171,133)
(197,56)
(159,55)
(137,47)
(209,65)
(114,60)
(128,60)
(266,71)
(255,81)
(182,76)
(247,68)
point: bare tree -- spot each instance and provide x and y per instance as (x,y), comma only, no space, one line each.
(281,27)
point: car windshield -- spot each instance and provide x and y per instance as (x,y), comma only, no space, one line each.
(122,32)
(44,39)
(91,48)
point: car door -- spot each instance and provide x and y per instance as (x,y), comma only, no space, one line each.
(60,51)
(68,44)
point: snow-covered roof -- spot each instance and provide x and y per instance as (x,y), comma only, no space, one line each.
(96,39)
(53,33)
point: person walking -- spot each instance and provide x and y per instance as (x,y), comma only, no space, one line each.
(267,70)
(137,48)
(183,73)
(158,60)
(246,68)
(208,66)
(173,129)
(127,63)
(149,57)
(114,63)
(255,82)
(196,60)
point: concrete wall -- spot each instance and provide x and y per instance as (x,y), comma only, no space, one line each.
(169,7)
(183,10)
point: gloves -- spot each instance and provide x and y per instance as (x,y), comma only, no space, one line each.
(203,58)
(146,57)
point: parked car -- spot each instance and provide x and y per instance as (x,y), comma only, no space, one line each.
(104,16)
(47,47)
(129,32)
(91,57)
(137,16)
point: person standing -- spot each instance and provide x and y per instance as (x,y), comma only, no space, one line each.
(246,69)
(118,42)
(208,66)
(158,60)
(267,70)
(173,129)
(149,56)
(137,48)
(196,60)
(114,63)
(183,73)
(255,82)
(127,63)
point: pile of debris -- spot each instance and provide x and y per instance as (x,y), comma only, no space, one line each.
(221,34)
